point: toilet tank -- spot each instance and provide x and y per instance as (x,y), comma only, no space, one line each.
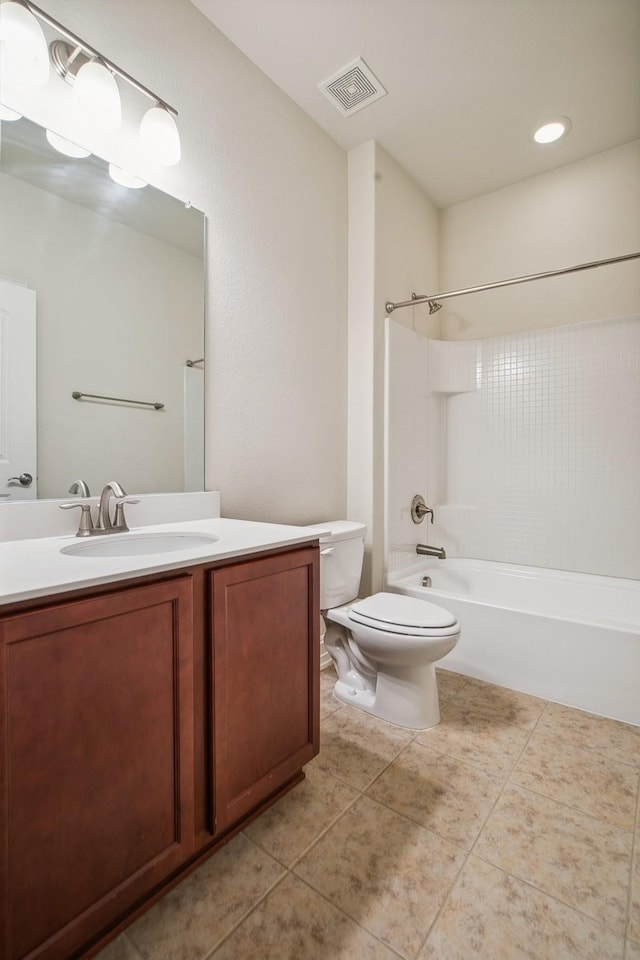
(341,555)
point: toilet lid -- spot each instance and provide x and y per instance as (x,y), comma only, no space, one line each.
(385,610)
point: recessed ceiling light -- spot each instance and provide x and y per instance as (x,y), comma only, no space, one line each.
(553,130)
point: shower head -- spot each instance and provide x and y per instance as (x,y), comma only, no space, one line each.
(434,306)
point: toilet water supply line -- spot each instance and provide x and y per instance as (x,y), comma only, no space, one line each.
(434,299)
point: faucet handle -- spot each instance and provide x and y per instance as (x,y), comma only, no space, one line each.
(419,509)
(86,520)
(119,520)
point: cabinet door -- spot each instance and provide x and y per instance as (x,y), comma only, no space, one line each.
(265,618)
(96,750)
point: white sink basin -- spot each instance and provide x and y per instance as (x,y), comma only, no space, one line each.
(137,544)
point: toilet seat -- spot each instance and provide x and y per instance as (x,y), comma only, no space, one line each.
(396,613)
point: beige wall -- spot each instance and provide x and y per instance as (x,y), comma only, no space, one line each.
(582,212)
(273,187)
(393,247)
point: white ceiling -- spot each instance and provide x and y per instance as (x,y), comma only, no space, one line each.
(467,80)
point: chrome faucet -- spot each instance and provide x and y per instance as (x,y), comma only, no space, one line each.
(119,525)
(112,490)
(428,551)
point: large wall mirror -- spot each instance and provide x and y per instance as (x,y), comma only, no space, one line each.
(101,293)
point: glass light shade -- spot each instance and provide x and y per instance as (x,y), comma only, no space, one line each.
(96,97)
(62,145)
(159,138)
(6,113)
(23,47)
(125,179)
(553,130)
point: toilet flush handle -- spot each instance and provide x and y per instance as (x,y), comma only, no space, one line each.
(327,551)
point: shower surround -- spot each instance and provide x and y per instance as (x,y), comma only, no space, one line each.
(527,446)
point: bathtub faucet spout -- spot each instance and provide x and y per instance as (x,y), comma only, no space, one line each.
(428,551)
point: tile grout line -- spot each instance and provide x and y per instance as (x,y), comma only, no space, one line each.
(210,955)
(316,839)
(507,780)
(635,851)
(530,883)
(572,806)
(289,869)
(324,897)
(362,793)
(469,852)
(298,878)
(130,942)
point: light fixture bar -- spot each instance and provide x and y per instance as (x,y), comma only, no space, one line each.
(37,12)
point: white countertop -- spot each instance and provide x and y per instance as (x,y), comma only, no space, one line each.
(36,568)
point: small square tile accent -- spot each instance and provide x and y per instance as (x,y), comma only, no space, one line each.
(551,432)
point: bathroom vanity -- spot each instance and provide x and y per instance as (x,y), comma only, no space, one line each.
(151,706)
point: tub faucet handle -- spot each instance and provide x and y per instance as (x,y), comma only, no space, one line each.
(419,509)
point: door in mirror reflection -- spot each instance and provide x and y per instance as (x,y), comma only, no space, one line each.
(18,477)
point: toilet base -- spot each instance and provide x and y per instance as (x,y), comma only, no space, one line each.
(408,698)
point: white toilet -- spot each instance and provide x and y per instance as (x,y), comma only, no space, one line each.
(384,647)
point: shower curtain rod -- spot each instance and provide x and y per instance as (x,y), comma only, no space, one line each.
(434,299)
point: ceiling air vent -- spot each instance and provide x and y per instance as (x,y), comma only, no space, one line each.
(352,88)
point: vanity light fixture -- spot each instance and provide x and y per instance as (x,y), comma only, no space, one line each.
(62,145)
(159,138)
(552,131)
(23,47)
(125,179)
(96,96)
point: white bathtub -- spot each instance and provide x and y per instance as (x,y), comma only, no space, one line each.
(568,637)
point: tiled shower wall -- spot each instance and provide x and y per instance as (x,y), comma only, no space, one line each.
(538,461)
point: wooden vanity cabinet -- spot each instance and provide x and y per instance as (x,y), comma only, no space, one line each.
(141,725)
(97,755)
(265,669)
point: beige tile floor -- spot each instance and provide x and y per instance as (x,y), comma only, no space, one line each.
(510,831)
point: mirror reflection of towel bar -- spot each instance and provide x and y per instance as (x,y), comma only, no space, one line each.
(96,396)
